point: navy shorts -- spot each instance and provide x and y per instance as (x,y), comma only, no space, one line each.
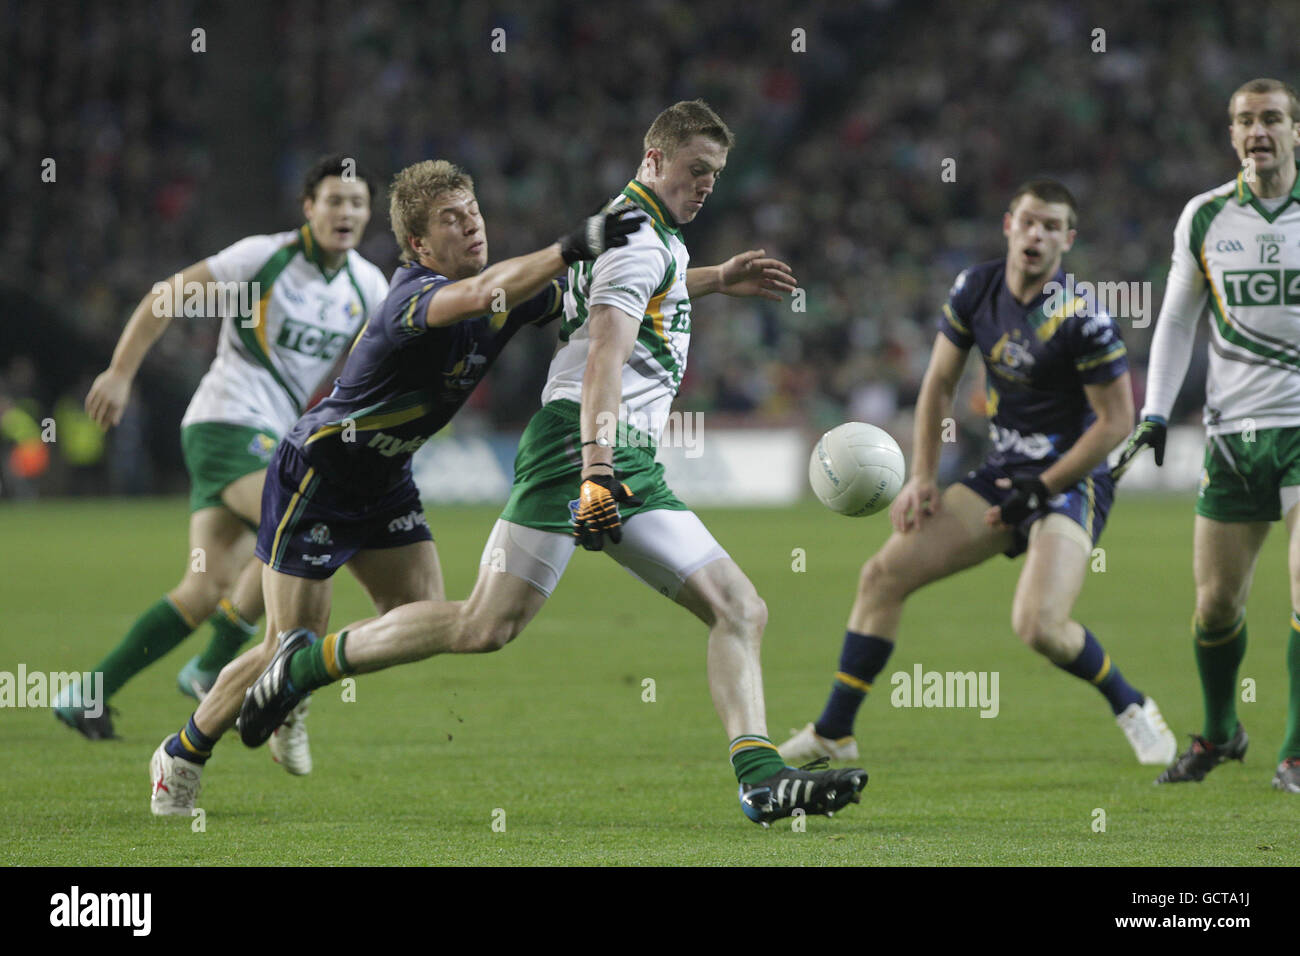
(1086,504)
(311,527)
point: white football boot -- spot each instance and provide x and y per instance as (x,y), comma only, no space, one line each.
(175,783)
(1151,739)
(288,744)
(808,745)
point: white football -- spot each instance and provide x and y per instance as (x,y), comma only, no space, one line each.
(856,469)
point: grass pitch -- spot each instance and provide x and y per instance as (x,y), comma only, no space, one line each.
(552,740)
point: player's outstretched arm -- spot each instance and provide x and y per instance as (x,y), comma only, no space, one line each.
(1112,402)
(519,279)
(111,389)
(919,497)
(613,336)
(751,273)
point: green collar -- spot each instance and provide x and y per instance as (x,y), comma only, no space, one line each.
(644,197)
(1246,196)
(311,251)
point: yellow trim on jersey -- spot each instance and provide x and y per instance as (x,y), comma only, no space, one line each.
(1110,356)
(373,423)
(637,188)
(1205,267)
(654,311)
(288,512)
(1048,328)
(955,322)
(259,326)
(855,682)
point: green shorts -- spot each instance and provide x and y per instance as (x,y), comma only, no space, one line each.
(1242,479)
(548,471)
(217,454)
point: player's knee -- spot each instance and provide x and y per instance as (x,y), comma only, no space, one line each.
(1038,627)
(878,582)
(1216,607)
(483,634)
(743,611)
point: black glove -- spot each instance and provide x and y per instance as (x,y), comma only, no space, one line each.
(600,232)
(595,513)
(1028,494)
(1152,431)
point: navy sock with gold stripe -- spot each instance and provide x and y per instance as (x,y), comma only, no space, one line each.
(861,661)
(1093,665)
(191,744)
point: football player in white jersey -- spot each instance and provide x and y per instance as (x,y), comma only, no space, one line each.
(1237,250)
(291,303)
(586,473)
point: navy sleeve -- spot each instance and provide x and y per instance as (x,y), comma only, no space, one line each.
(1096,348)
(957,311)
(543,307)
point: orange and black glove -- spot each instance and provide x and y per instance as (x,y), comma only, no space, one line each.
(595,512)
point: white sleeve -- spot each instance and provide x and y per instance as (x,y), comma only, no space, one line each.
(240,262)
(627,277)
(1184,301)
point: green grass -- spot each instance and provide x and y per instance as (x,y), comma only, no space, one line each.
(553,730)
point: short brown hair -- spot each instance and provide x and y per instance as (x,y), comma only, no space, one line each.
(1266,85)
(413,193)
(1048,190)
(674,127)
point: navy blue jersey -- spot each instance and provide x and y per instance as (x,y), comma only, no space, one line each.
(1038,358)
(403,381)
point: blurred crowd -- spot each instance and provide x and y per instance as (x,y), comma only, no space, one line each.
(877,144)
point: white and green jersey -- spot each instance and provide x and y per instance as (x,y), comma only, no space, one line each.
(284,322)
(645,278)
(1240,255)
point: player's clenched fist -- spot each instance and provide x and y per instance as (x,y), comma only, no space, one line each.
(595,513)
(918,499)
(107,398)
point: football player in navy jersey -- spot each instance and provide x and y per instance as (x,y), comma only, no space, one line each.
(339,489)
(1059,401)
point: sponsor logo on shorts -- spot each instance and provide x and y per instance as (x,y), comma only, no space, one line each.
(319,534)
(408,522)
(316,560)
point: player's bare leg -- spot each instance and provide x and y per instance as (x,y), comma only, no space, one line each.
(952,539)
(239,608)
(1050,582)
(721,596)
(1055,567)
(497,610)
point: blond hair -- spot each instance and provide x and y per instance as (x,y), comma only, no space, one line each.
(675,126)
(414,191)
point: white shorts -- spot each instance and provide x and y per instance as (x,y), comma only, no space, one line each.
(662,548)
